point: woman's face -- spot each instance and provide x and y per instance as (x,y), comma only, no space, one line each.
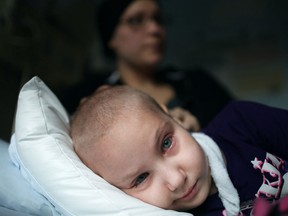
(139,37)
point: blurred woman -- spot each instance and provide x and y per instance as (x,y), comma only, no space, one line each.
(133,35)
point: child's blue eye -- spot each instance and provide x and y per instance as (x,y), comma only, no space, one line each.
(166,144)
(141,178)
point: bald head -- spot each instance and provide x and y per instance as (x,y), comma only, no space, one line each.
(97,114)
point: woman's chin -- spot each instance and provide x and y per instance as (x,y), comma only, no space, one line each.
(154,61)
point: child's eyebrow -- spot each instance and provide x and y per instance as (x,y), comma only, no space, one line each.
(160,134)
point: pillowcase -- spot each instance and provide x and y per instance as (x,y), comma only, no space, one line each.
(43,149)
(16,194)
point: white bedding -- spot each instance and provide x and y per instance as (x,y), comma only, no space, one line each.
(42,149)
(16,195)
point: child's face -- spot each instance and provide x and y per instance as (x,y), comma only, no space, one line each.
(154,159)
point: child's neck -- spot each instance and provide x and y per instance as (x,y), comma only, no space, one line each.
(213,188)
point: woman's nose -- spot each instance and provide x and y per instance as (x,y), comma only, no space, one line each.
(154,26)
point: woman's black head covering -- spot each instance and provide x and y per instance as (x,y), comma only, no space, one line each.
(108,15)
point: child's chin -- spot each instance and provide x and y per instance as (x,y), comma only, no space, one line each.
(198,201)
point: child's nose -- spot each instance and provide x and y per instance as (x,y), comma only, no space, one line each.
(174,178)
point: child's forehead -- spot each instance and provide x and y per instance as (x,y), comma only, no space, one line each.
(125,159)
(142,110)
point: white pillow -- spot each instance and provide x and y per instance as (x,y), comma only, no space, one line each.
(15,193)
(43,149)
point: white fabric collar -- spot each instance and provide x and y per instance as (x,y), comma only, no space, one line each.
(227,192)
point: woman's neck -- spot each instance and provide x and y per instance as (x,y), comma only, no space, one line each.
(143,79)
(135,76)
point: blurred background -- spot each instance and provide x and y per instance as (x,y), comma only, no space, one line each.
(243,44)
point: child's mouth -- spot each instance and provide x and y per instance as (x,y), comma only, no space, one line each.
(190,193)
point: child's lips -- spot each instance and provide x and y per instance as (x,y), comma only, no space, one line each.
(190,193)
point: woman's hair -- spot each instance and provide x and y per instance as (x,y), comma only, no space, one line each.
(108,15)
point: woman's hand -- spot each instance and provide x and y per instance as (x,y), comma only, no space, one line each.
(185,118)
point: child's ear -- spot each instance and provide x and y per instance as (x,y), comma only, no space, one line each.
(164,108)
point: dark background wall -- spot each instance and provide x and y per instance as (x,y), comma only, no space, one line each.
(242,43)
